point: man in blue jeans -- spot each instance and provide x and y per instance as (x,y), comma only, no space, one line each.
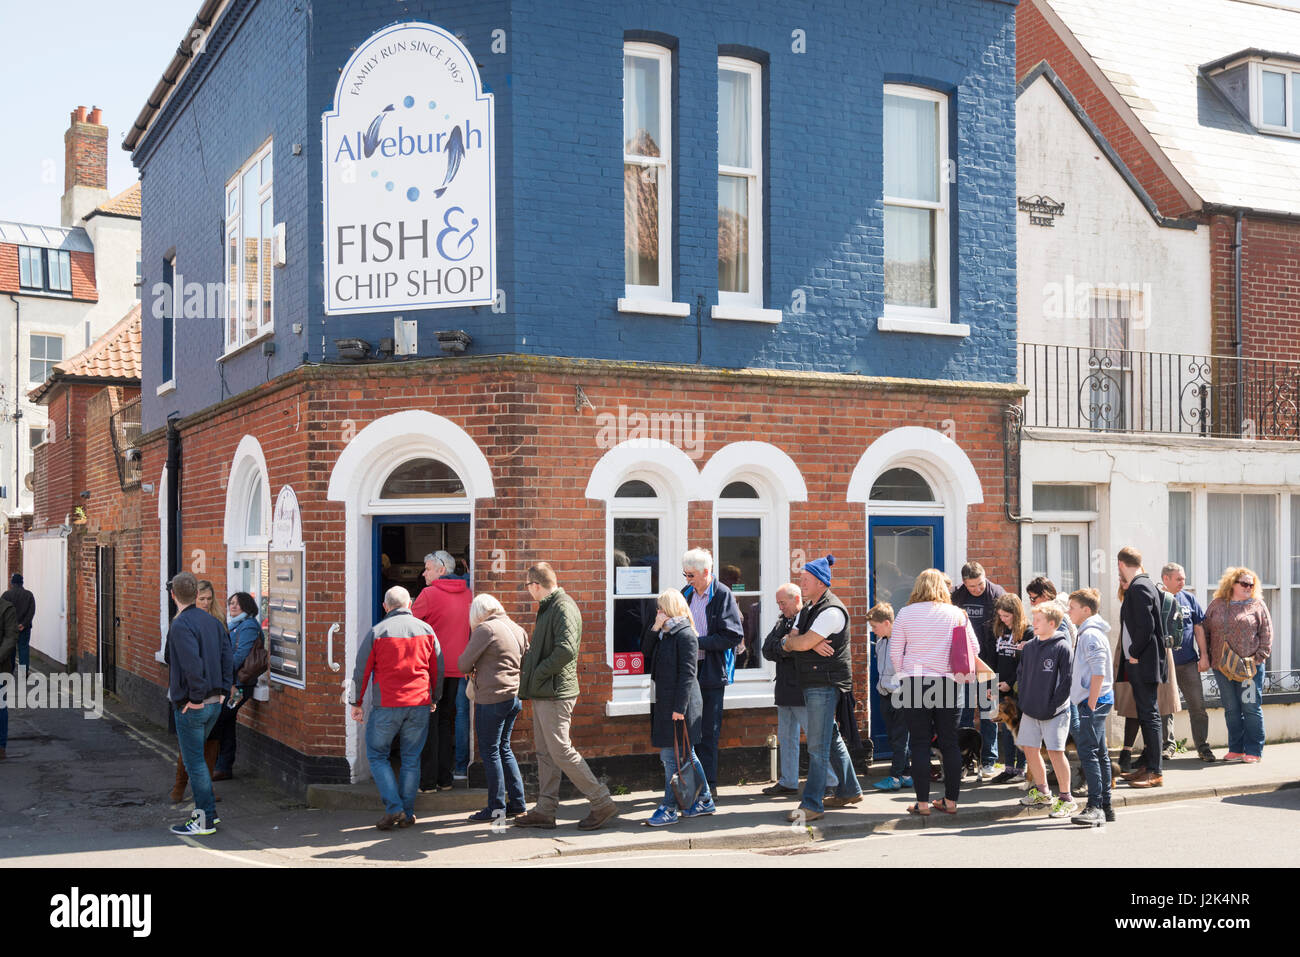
(717,621)
(820,641)
(1090,692)
(24,603)
(200,662)
(402,654)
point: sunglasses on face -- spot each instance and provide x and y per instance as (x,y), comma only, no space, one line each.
(1245,584)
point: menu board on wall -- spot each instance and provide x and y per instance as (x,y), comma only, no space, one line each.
(285,617)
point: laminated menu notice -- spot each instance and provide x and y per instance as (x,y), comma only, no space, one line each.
(632,581)
(285,616)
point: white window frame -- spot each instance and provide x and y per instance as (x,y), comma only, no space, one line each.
(913,318)
(755,683)
(631,693)
(235,199)
(663,292)
(177,301)
(1291,73)
(753,174)
(50,367)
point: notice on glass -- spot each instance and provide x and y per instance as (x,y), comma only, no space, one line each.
(632,581)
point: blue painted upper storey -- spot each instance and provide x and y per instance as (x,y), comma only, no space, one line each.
(269,69)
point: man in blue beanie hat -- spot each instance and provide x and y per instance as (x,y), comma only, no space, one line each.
(820,640)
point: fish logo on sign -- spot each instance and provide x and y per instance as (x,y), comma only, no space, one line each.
(410,177)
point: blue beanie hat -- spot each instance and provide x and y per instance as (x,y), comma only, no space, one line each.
(16,579)
(821,569)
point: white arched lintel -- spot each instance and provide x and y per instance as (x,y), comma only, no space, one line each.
(915,443)
(248,458)
(762,458)
(663,459)
(385,443)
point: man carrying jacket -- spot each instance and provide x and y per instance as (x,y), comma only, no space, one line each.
(791,715)
(8,649)
(549,678)
(718,623)
(821,639)
(1143,663)
(402,654)
(200,662)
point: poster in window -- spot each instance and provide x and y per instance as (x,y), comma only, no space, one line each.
(632,581)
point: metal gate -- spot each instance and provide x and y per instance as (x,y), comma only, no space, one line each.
(106,602)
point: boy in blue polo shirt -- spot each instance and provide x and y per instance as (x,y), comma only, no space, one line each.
(1090,690)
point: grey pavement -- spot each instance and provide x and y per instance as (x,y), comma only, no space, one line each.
(93,793)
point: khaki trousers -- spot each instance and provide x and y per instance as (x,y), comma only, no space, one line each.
(555,754)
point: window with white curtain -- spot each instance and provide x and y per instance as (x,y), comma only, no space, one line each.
(1180,533)
(740,200)
(1278,645)
(1243,531)
(250,226)
(647,171)
(916,202)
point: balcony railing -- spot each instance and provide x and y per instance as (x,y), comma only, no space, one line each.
(1119,390)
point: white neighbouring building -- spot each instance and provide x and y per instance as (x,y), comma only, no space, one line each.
(1140,427)
(61,288)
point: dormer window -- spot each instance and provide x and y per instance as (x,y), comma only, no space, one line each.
(1278,99)
(1264,87)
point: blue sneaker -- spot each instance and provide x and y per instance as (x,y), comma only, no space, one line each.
(907,780)
(700,808)
(888,784)
(663,816)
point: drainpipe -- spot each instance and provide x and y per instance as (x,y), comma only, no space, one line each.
(1237,346)
(18,409)
(173,502)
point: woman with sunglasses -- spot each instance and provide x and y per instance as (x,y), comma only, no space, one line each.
(1239,620)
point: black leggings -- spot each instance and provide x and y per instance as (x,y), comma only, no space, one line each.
(922,725)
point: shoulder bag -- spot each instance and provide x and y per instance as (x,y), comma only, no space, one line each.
(959,656)
(1232,665)
(686,783)
(255,665)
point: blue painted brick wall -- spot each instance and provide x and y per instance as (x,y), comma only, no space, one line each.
(558,90)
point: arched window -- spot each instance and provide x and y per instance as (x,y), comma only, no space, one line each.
(639,515)
(739,490)
(636,489)
(248,523)
(901,485)
(422,478)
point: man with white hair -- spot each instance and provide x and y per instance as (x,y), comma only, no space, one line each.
(443,604)
(720,628)
(402,653)
(1190,659)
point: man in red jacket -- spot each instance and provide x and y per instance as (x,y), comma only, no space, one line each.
(401,654)
(444,605)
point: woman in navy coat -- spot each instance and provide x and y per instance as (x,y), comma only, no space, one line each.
(671,650)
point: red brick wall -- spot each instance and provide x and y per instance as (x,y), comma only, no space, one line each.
(1036,41)
(541,453)
(60,465)
(85,151)
(1270,257)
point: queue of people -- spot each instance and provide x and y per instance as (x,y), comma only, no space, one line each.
(968,672)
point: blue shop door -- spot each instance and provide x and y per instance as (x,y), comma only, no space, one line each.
(400,543)
(898,549)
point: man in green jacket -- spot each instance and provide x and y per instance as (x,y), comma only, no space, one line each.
(549,678)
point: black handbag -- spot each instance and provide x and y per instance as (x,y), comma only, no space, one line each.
(686,783)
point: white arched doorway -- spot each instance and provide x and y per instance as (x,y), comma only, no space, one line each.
(405,480)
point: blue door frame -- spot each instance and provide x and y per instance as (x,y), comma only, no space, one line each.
(879,736)
(377,524)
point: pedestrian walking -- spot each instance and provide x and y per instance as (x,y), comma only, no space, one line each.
(718,623)
(8,655)
(549,678)
(671,650)
(24,603)
(1240,634)
(443,604)
(401,660)
(200,673)
(825,669)
(791,714)
(491,662)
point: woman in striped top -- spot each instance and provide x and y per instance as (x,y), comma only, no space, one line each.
(931,695)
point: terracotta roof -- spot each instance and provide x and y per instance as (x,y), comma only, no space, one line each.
(125,203)
(114,355)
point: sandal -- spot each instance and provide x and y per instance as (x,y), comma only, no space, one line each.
(916,809)
(942,806)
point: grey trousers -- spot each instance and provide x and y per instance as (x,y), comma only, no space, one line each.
(556,756)
(1189,683)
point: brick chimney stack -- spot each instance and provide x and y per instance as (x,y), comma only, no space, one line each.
(85,168)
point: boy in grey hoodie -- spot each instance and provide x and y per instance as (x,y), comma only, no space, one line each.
(1090,691)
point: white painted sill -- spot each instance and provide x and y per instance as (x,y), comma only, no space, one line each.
(746,314)
(655,307)
(926,327)
(732,702)
(260,337)
(168,386)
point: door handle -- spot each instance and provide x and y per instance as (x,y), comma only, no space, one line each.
(329,647)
